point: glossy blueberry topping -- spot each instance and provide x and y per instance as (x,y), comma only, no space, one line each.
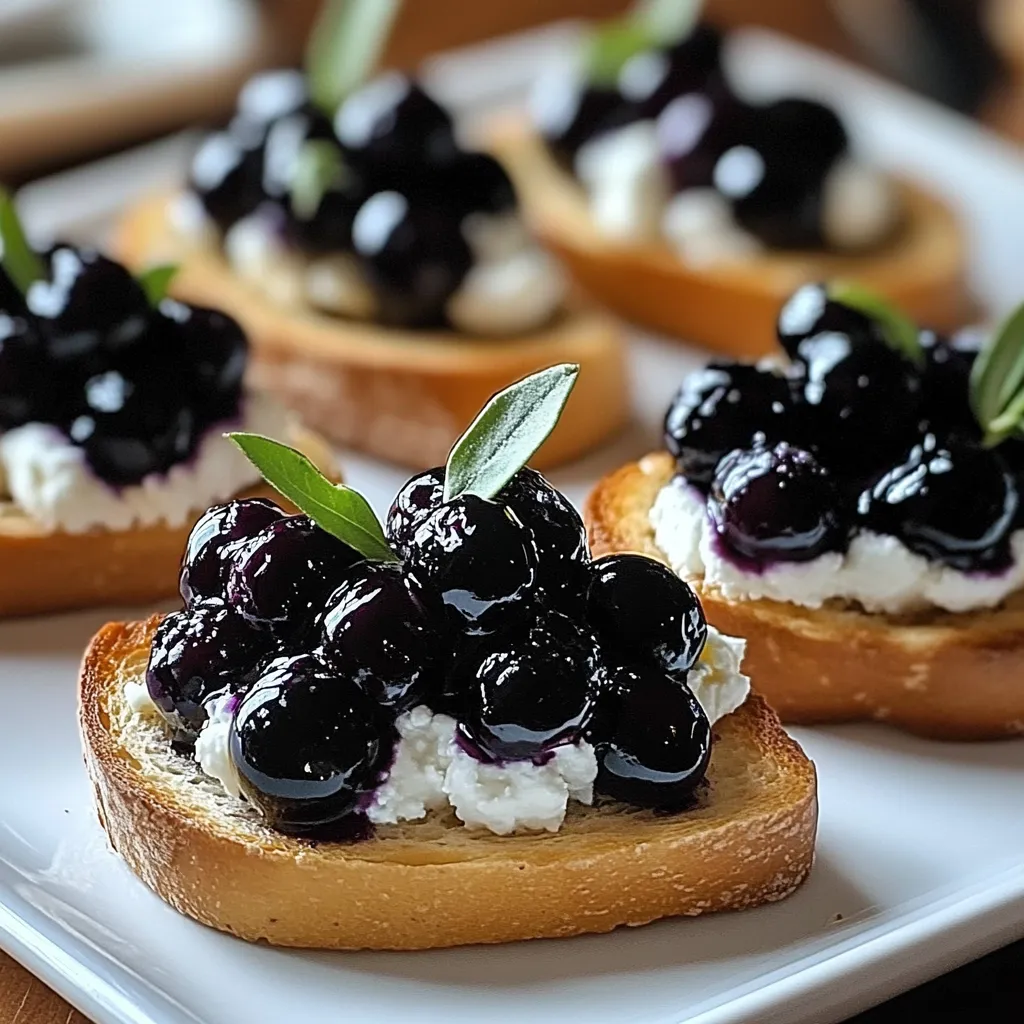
(213,545)
(722,407)
(535,687)
(414,256)
(660,748)
(227,175)
(270,95)
(477,183)
(418,497)
(285,573)
(480,558)
(947,374)
(952,501)
(195,654)
(771,504)
(568,111)
(383,630)
(24,394)
(643,612)
(391,129)
(329,229)
(12,302)
(308,745)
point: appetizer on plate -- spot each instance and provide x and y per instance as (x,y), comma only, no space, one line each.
(852,509)
(113,404)
(454,729)
(382,271)
(694,212)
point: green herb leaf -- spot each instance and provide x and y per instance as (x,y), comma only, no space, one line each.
(346,46)
(17,257)
(611,45)
(668,21)
(997,381)
(507,432)
(341,511)
(900,331)
(156,280)
(319,168)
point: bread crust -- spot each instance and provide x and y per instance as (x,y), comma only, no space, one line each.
(48,571)
(404,396)
(942,675)
(435,883)
(732,307)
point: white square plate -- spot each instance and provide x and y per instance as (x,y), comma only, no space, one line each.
(919,857)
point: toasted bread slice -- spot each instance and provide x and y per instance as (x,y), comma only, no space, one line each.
(731,307)
(401,395)
(47,571)
(435,883)
(944,675)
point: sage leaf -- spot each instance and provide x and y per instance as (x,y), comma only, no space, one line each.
(668,21)
(156,280)
(20,261)
(346,46)
(319,168)
(507,432)
(335,508)
(611,45)
(901,333)
(997,381)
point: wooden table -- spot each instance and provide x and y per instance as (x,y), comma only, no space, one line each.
(990,990)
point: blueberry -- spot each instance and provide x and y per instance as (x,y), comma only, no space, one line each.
(12,302)
(722,407)
(418,497)
(215,350)
(30,388)
(775,504)
(477,183)
(393,130)
(329,230)
(308,746)
(642,611)
(414,256)
(198,653)
(946,384)
(810,311)
(270,95)
(284,140)
(951,501)
(384,631)
(529,688)
(227,176)
(88,303)
(480,558)
(660,745)
(285,573)
(559,535)
(213,543)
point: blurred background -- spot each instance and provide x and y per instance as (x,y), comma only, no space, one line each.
(81,78)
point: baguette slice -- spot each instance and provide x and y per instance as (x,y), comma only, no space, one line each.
(46,571)
(943,675)
(404,396)
(732,307)
(434,883)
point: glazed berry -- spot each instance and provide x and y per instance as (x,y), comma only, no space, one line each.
(775,504)
(559,535)
(227,176)
(661,745)
(414,256)
(533,688)
(283,145)
(329,230)
(863,398)
(12,302)
(384,631)
(642,611)
(477,183)
(271,95)
(480,558)
(27,381)
(198,653)
(285,574)
(87,303)
(307,745)
(214,349)
(418,497)
(775,176)
(392,129)
(946,385)
(213,543)
(809,311)
(722,407)
(950,501)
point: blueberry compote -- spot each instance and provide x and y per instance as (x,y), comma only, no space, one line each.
(393,186)
(135,386)
(857,433)
(491,612)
